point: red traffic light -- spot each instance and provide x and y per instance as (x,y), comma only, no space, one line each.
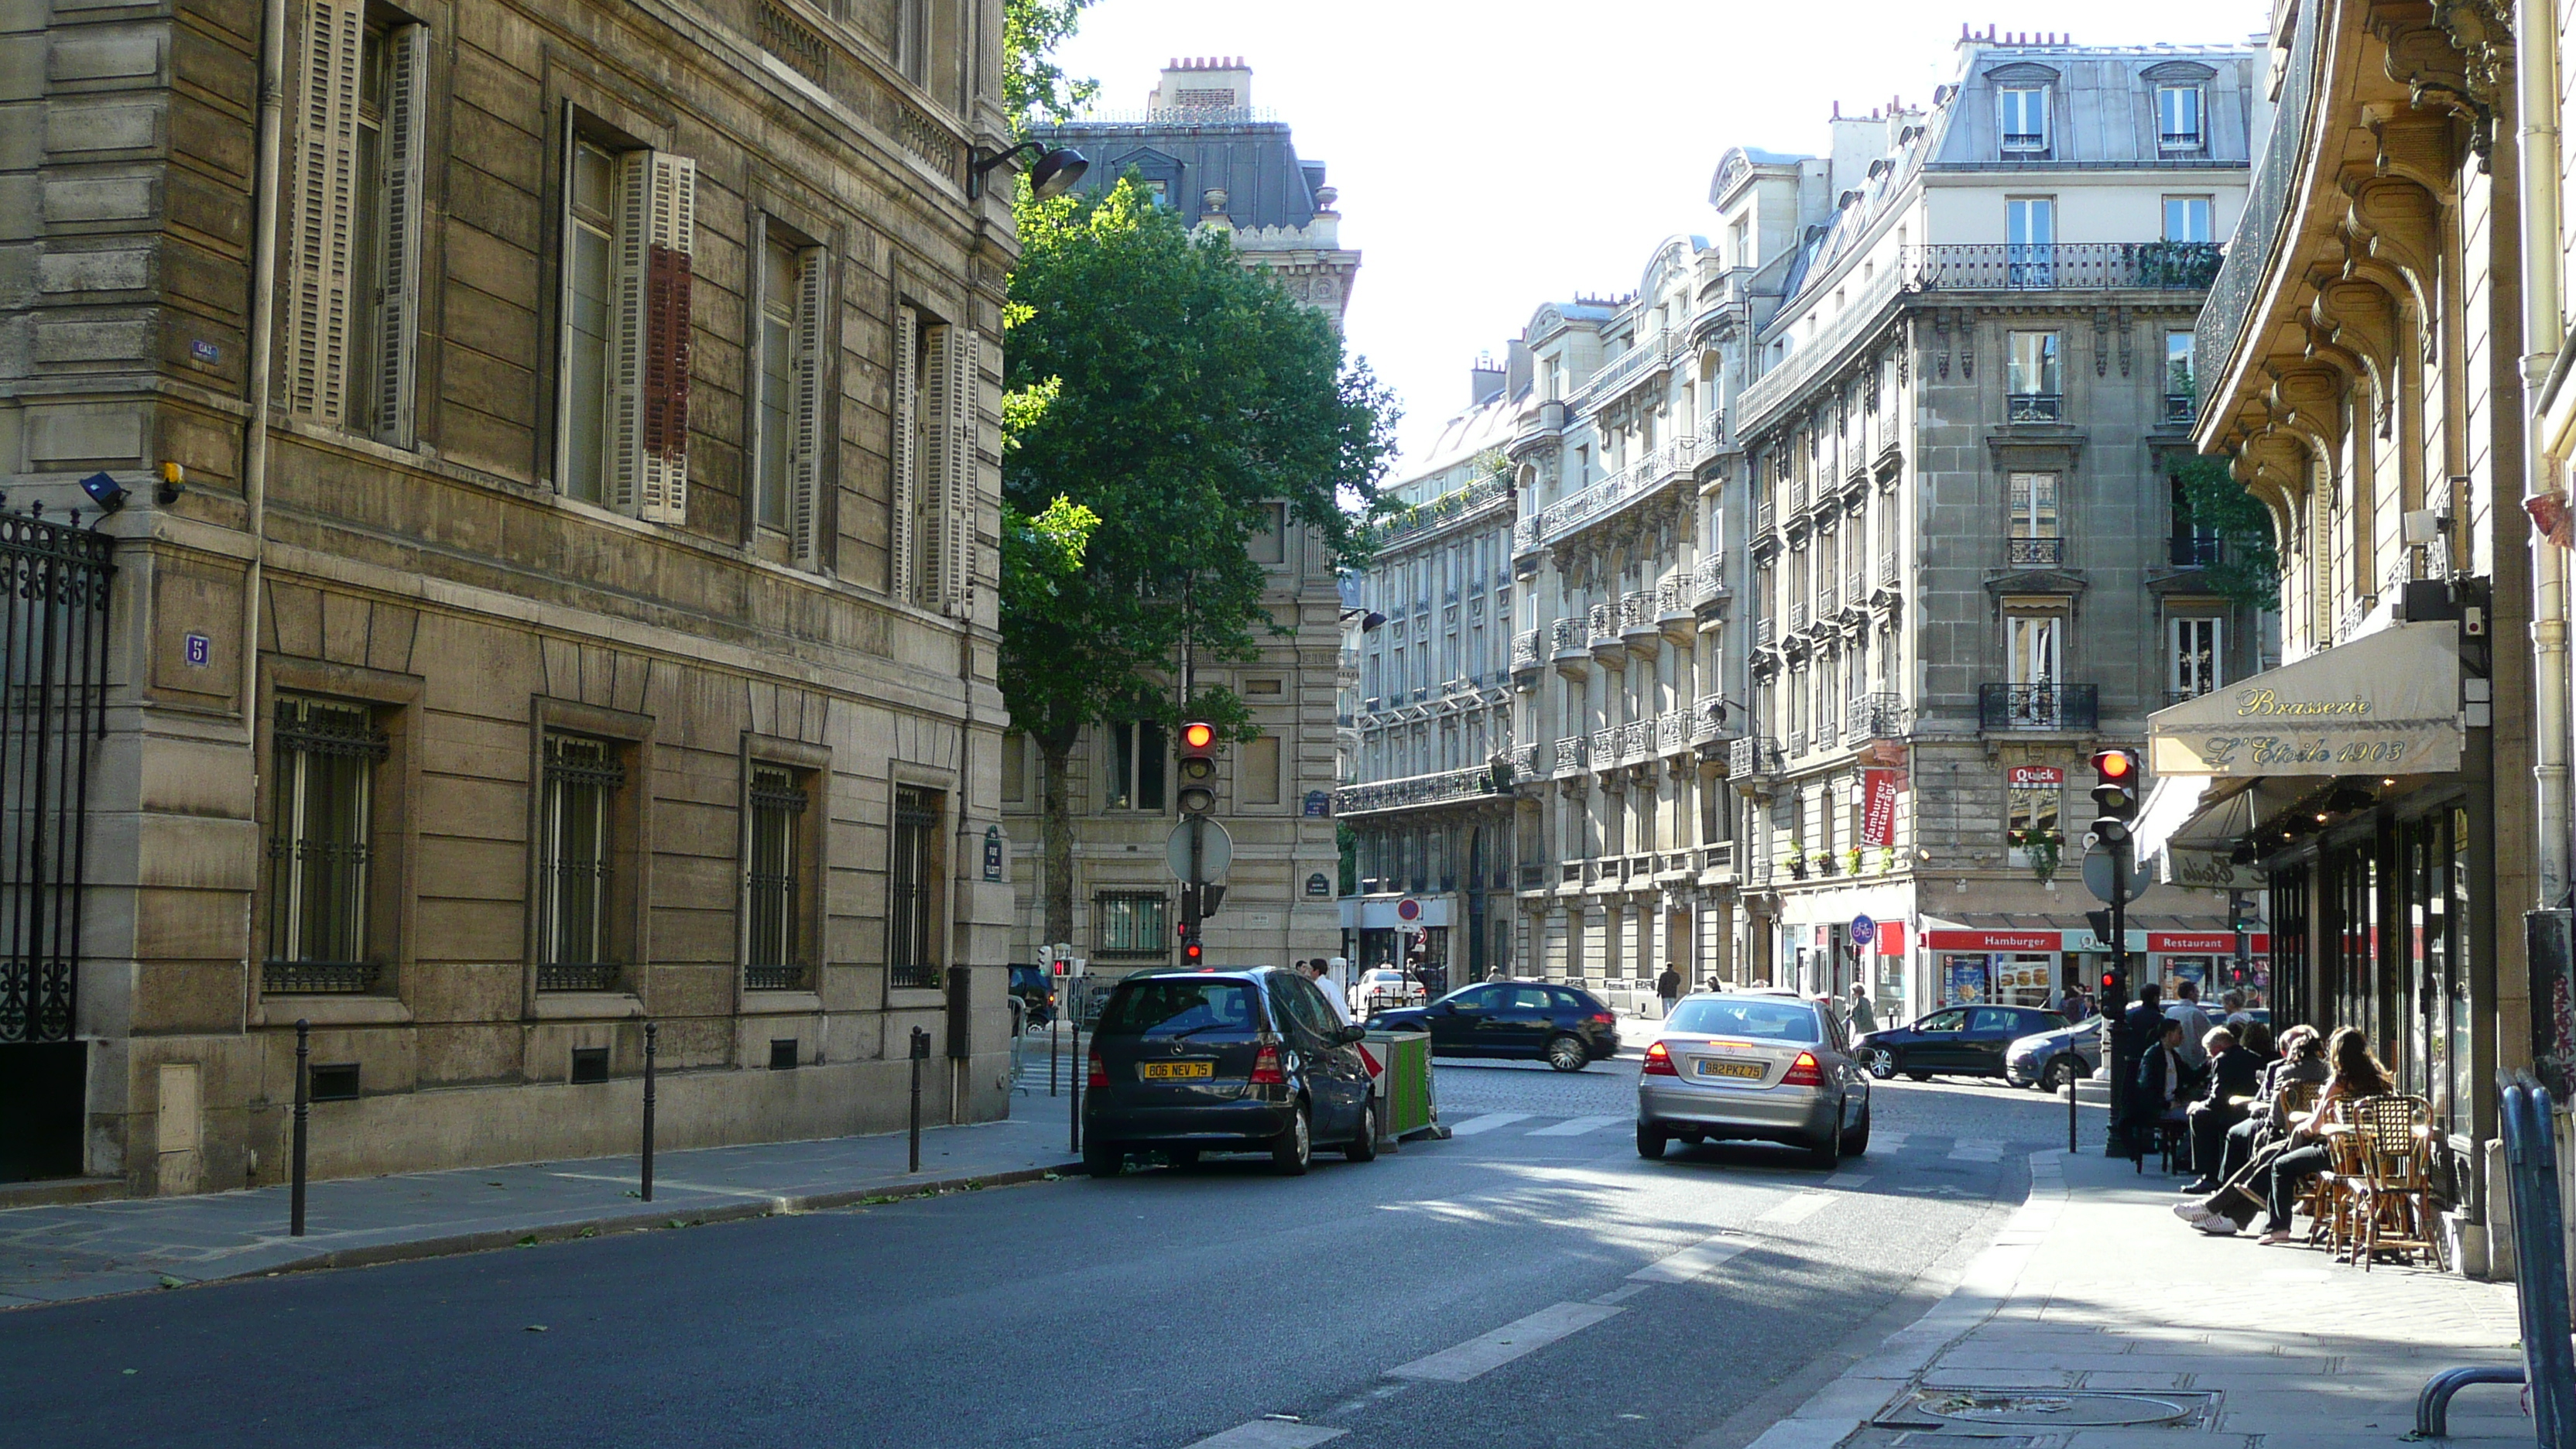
(2114,764)
(1198,735)
(1191,953)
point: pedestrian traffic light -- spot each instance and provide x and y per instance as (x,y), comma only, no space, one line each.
(2115,794)
(1198,767)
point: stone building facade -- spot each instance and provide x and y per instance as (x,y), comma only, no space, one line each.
(1199,142)
(569,605)
(1969,567)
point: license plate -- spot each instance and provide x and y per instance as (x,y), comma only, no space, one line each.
(1743,1071)
(1176,1071)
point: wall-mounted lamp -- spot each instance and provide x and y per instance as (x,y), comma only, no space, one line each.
(1053,175)
(173,477)
(104,491)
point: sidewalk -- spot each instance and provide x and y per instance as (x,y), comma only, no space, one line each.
(86,1250)
(2094,1290)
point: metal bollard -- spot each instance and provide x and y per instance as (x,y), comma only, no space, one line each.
(920,1054)
(652,1033)
(1073,1083)
(303,1113)
(1055,1034)
(2074,1082)
(2540,1259)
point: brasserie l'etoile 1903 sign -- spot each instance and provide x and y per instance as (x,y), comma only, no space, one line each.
(2386,703)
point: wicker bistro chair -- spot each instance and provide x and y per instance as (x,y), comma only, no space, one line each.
(2394,1211)
(2329,1197)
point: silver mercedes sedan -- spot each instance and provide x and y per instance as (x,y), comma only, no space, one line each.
(1769,1066)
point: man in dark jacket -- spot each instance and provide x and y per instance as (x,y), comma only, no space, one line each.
(2161,1089)
(2235,1078)
(1668,988)
(2136,1030)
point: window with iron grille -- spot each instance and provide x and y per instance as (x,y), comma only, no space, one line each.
(776,959)
(1130,924)
(321,846)
(910,904)
(582,778)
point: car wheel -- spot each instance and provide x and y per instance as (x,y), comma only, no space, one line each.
(1856,1141)
(1293,1151)
(1880,1061)
(1920,1076)
(1363,1148)
(1827,1151)
(1103,1159)
(1568,1054)
(2058,1073)
(1650,1142)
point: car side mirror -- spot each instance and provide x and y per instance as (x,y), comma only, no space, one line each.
(1350,1034)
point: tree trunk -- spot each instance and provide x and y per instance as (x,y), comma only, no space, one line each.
(1057,835)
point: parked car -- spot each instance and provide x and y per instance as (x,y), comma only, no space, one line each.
(1034,988)
(1251,1060)
(1753,1065)
(1383,988)
(1954,1041)
(1563,1026)
(2047,1059)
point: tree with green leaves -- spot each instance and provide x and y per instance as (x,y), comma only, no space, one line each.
(1034,88)
(2248,570)
(1172,396)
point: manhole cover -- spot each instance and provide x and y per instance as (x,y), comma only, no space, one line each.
(2032,1408)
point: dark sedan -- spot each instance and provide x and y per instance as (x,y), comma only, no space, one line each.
(1963,1041)
(1563,1026)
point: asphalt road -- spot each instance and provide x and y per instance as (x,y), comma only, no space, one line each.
(1501,1288)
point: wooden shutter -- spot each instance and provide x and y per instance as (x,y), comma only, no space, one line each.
(904,456)
(936,389)
(325,211)
(805,470)
(957,485)
(648,371)
(397,354)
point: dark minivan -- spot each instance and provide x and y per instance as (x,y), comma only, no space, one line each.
(1248,1060)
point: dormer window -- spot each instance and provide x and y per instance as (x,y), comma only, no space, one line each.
(2180,121)
(2025,121)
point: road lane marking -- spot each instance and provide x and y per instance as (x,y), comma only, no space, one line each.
(1798,1209)
(1692,1261)
(1976,1149)
(1486,1123)
(1891,1141)
(1577,1126)
(705,1187)
(1491,1351)
(1269,1434)
(1847,1179)
(1622,1295)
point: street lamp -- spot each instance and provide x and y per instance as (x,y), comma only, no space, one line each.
(1053,175)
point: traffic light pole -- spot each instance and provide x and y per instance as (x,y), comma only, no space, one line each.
(2120,969)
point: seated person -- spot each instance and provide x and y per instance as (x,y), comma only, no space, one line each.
(2235,1078)
(2163,1088)
(2274,1181)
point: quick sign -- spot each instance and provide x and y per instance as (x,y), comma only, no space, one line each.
(2035,777)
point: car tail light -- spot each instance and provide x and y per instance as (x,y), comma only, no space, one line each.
(1659,1062)
(1603,1018)
(1265,1068)
(1099,1073)
(1804,1072)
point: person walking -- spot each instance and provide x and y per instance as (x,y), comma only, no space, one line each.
(1864,1017)
(1668,989)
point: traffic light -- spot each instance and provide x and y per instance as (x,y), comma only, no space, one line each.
(1198,767)
(2115,795)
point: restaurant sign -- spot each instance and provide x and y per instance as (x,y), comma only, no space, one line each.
(2386,703)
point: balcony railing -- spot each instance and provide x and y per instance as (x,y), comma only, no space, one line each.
(2037,553)
(2193,551)
(1525,649)
(1604,619)
(1752,755)
(1634,481)
(2169,266)
(1637,610)
(1569,754)
(1708,580)
(1672,731)
(1605,747)
(1874,717)
(1415,790)
(1533,877)
(2034,407)
(1829,599)
(2181,407)
(1766,632)
(1797,616)
(1636,739)
(2224,312)
(1634,363)
(1888,573)
(1565,636)
(1707,718)
(1762,516)
(1443,509)
(2038,706)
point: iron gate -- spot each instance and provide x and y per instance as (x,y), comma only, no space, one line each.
(53,707)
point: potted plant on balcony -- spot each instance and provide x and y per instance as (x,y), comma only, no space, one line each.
(1887,860)
(2042,847)
(1797,863)
(1851,860)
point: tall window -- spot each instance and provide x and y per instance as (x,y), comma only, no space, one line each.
(2025,120)
(321,846)
(2194,644)
(911,903)
(354,298)
(2030,241)
(938,376)
(773,885)
(582,778)
(630,229)
(1135,774)
(2193,545)
(2178,118)
(1130,924)
(2031,655)
(2032,378)
(787,464)
(2029,813)
(2187,219)
(2182,392)
(2036,540)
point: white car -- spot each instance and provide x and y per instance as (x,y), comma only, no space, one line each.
(1382,988)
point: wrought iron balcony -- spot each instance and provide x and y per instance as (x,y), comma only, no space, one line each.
(2038,706)
(1569,754)
(2034,407)
(2167,266)
(1766,632)
(775,978)
(1762,516)
(1708,580)
(2037,553)
(1888,572)
(1829,599)
(1416,790)
(1798,616)
(1637,611)
(587,976)
(1707,718)
(2239,279)
(302,978)
(1869,717)
(1604,619)
(1447,508)
(1605,747)
(1750,756)
(2181,408)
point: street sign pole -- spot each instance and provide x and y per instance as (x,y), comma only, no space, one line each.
(2119,964)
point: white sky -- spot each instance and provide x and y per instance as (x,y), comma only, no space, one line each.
(1495,154)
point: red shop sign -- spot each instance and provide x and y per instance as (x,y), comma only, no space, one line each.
(1994,940)
(2213,943)
(2034,777)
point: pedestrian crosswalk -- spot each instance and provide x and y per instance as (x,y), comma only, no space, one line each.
(1882,1144)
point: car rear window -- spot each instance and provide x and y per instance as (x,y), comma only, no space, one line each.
(1768,1020)
(1169,1006)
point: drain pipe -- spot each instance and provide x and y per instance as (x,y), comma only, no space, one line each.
(263,330)
(2544,335)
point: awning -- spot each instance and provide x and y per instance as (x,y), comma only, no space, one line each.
(2384,704)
